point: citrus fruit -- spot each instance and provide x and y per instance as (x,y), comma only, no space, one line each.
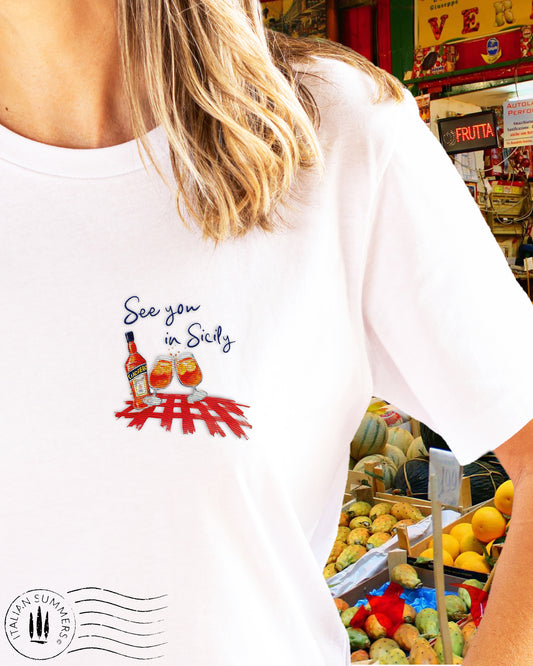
(447,559)
(470,543)
(472,562)
(461,530)
(503,497)
(450,544)
(488,523)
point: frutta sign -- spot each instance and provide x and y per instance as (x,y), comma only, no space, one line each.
(474,131)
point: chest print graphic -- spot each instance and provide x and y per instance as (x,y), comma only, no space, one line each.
(147,380)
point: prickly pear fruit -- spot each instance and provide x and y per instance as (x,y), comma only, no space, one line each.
(457,642)
(329,571)
(359,655)
(405,635)
(348,556)
(468,643)
(382,647)
(377,626)
(337,549)
(346,615)
(427,622)
(359,536)
(404,511)
(455,607)
(406,576)
(396,656)
(377,540)
(383,523)
(465,595)
(360,521)
(341,604)
(422,653)
(402,523)
(360,508)
(358,639)
(342,533)
(409,614)
(380,509)
(468,629)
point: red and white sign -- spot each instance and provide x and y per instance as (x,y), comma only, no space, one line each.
(518,123)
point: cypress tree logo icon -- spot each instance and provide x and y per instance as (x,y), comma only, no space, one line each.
(40,624)
(41,631)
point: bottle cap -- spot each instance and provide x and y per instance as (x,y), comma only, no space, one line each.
(129,336)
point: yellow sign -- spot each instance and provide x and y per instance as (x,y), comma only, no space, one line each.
(442,21)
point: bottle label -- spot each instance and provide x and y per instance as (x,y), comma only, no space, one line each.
(137,371)
(140,386)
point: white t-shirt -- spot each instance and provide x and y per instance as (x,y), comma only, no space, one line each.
(196,533)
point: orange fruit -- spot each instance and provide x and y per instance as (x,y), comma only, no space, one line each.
(488,523)
(472,562)
(469,543)
(461,530)
(447,559)
(450,544)
(503,497)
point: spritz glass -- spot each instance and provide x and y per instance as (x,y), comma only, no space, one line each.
(190,375)
(159,378)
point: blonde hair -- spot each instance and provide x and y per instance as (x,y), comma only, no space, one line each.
(239,122)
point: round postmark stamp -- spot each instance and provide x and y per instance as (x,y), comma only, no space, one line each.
(40,624)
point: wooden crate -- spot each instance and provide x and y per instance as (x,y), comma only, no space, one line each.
(381,494)
(364,494)
(414,550)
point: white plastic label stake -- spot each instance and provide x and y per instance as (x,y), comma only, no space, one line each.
(449,475)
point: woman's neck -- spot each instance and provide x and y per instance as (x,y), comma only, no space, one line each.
(60,80)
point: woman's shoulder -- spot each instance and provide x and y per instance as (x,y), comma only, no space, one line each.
(356,98)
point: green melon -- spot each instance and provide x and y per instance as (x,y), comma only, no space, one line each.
(417,449)
(370,438)
(401,438)
(395,454)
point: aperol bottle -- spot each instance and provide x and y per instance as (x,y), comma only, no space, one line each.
(137,374)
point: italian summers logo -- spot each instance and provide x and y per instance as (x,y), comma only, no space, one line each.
(40,624)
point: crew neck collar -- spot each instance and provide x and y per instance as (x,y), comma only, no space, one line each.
(78,162)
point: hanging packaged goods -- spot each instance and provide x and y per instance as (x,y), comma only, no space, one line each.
(444,21)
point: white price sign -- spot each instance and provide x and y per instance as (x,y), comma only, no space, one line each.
(449,475)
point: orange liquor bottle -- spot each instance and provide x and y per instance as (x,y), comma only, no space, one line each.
(137,374)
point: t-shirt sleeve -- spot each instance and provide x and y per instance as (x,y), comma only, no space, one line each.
(449,330)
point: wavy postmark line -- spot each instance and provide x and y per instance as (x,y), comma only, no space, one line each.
(111,603)
(159,656)
(125,596)
(114,640)
(108,624)
(124,619)
(124,631)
